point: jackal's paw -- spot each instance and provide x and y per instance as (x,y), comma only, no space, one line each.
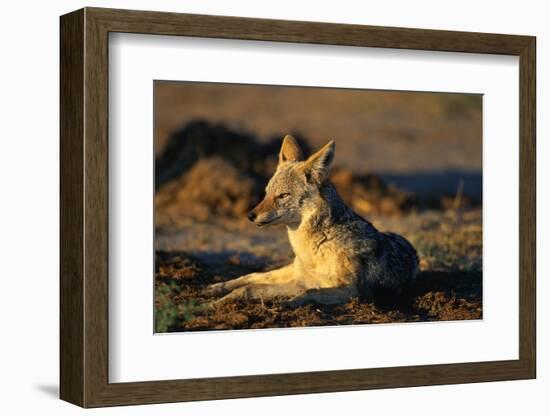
(240,293)
(216,289)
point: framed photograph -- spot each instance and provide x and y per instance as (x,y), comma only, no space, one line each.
(257,207)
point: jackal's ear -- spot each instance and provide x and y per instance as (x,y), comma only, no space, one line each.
(290,150)
(317,166)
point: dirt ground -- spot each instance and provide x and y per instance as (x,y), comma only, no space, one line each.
(448,287)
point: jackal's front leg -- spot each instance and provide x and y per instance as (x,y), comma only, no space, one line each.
(277,276)
(261,292)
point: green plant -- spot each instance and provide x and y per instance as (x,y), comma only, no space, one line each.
(168,311)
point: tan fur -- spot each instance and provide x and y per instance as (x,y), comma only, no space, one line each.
(319,262)
(338,254)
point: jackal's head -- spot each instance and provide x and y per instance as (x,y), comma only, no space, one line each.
(295,186)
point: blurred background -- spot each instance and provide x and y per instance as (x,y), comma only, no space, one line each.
(410,162)
(408,137)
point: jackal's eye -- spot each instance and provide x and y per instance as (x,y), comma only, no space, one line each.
(283,195)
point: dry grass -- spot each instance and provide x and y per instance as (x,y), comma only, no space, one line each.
(449,285)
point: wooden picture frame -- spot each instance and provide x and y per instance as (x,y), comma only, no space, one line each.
(84,207)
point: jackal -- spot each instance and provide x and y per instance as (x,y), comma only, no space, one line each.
(338,254)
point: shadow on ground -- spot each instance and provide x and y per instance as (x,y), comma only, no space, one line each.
(181,304)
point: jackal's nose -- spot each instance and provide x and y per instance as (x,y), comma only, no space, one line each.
(252,216)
